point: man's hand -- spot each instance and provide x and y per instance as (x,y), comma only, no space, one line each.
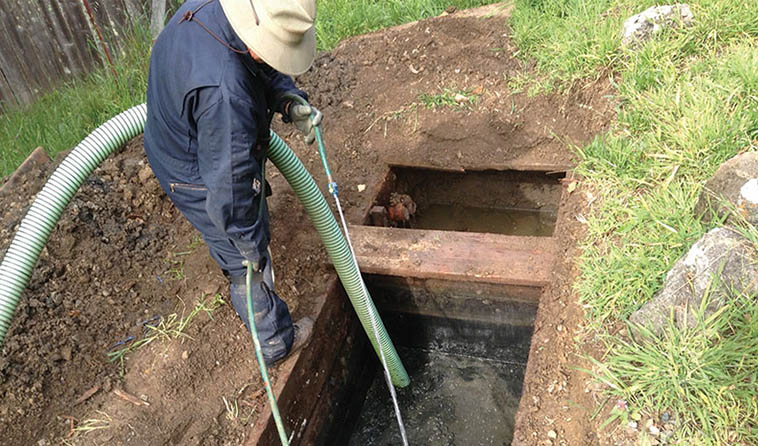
(305,118)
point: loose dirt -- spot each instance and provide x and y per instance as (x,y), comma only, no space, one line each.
(122,254)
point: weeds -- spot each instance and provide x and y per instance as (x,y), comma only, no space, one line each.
(451,98)
(705,375)
(170,328)
(93,424)
(232,409)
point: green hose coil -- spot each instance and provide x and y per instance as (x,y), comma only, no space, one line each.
(35,229)
(339,252)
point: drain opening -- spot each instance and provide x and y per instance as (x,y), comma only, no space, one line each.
(522,203)
(465,347)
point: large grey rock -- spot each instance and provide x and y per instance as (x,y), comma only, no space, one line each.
(734,187)
(720,265)
(644,25)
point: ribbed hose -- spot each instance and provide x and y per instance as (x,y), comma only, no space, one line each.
(339,252)
(35,229)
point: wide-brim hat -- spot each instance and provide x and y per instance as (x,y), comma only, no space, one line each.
(281,32)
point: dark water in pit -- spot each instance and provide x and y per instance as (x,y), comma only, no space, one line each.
(453,400)
(521,222)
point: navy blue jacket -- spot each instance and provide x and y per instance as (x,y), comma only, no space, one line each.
(208,115)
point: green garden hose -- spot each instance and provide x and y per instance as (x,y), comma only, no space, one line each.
(259,357)
(35,229)
(339,252)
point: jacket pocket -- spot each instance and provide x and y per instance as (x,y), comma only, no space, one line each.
(187,186)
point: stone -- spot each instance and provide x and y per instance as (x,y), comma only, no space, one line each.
(145,174)
(734,187)
(643,26)
(721,263)
(67,353)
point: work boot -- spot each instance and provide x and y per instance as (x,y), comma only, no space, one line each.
(303,330)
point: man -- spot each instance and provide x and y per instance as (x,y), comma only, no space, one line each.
(215,82)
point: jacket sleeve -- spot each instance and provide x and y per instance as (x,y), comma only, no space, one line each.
(226,133)
(282,84)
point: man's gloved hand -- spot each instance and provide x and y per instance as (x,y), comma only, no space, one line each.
(304,116)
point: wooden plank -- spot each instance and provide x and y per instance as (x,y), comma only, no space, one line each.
(506,165)
(464,256)
(301,380)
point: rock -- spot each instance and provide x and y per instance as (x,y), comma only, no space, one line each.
(643,26)
(145,174)
(734,186)
(552,435)
(130,167)
(66,353)
(721,252)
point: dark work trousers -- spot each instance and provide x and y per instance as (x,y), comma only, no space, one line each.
(272,317)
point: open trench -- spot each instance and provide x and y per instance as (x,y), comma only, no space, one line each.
(456,262)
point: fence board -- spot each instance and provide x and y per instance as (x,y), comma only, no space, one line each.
(46,42)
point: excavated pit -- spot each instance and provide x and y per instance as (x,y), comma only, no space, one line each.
(458,297)
(521,203)
(466,367)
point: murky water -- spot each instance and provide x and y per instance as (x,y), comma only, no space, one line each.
(453,400)
(522,222)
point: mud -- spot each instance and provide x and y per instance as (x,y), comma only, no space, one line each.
(122,254)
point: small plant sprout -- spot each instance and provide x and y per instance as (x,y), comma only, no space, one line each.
(93,424)
(452,98)
(232,409)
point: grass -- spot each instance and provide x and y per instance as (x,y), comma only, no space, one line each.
(171,327)
(687,101)
(338,19)
(60,119)
(93,424)
(451,98)
(232,409)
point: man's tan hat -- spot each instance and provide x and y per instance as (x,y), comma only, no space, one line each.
(280,32)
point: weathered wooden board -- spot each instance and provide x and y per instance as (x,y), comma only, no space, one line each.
(46,42)
(450,255)
(530,166)
(304,382)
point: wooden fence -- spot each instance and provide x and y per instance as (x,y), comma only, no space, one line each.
(46,42)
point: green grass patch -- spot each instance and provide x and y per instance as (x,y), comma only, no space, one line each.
(60,119)
(171,327)
(450,98)
(338,19)
(705,377)
(688,101)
